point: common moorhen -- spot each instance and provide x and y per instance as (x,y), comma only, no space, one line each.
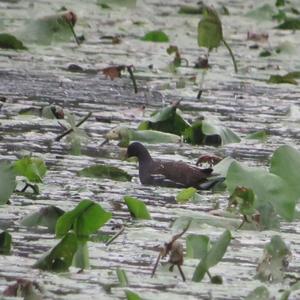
(169,173)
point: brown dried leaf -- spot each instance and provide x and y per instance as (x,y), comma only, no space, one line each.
(113,71)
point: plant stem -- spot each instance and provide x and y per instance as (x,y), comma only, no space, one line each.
(232,56)
(59,137)
(129,69)
(115,236)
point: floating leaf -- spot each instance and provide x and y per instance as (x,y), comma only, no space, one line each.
(46,216)
(8,41)
(34,169)
(274,261)
(118,3)
(186,195)
(197,246)
(122,277)
(86,218)
(287,78)
(157,36)
(7,181)
(258,135)
(264,12)
(191,10)
(137,208)
(132,296)
(290,24)
(105,171)
(5,242)
(213,256)
(60,257)
(267,187)
(210,32)
(260,293)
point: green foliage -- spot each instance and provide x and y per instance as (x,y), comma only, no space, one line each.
(122,277)
(86,218)
(186,194)
(105,171)
(34,169)
(81,257)
(260,293)
(274,261)
(197,246)
(8,41)
(117,3)
(244,199)
(7,181)
(290,24)
(213,256)
(258,135)
(287,78)
(190,10)
(132,296)
(46,216)
(5,242)
(137,208)
(157,36)
(60,257)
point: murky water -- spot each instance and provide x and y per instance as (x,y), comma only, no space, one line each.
(243,102)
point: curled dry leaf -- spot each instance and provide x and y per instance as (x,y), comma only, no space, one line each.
(208,159)
(24,288)
(113,71)
(70,17)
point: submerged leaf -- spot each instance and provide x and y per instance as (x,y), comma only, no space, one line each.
(105,171)
(5,242)
(137,208)
(7,181)
(157,36)
(86,218)
(59,258)
(8,41)
(34,169)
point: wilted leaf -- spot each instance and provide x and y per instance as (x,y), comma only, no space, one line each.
(186,195)
(86,218)
(113,71)
(105,171)
(46,216)
(5,242)
(197,246)
(157,36)
(59,258)
(34,169)
(260,293)
(8,41)
(137,208)
(210,32)
(7,181)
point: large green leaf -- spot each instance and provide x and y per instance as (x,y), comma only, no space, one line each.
(105,171)
(7,181)
(210,32)
(8,41)
(197,246)
(267,187)
(46,216)
(156,36)
(290,24)
(59,258)
(5,242)
(34,169)
(137,208)
(86,218)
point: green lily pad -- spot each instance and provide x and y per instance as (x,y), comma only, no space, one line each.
(86,218)
(46,216)
(34,169)
(157,36)
(60,257)
(7,181)
(5,242)
(137,208)
(8,41)
(105,171)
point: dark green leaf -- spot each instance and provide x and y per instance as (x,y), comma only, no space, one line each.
(156,36)
(46,216)
(122,277)
(280,3)
(210,32)
(265,53)
(217,279)
(7,181)
(186,195)
(282,79)
(34,169)
(86,218)
(197,246)
(290,24)
(118,3)
(81,256)
(191,10)
(132,296)
(59,258)
(137,208)
(8,41)
(105,171)
(260,293)
(5,242)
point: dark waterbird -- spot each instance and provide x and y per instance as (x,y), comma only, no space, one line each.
(170,173)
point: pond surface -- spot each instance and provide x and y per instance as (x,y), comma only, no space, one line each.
(244,102)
